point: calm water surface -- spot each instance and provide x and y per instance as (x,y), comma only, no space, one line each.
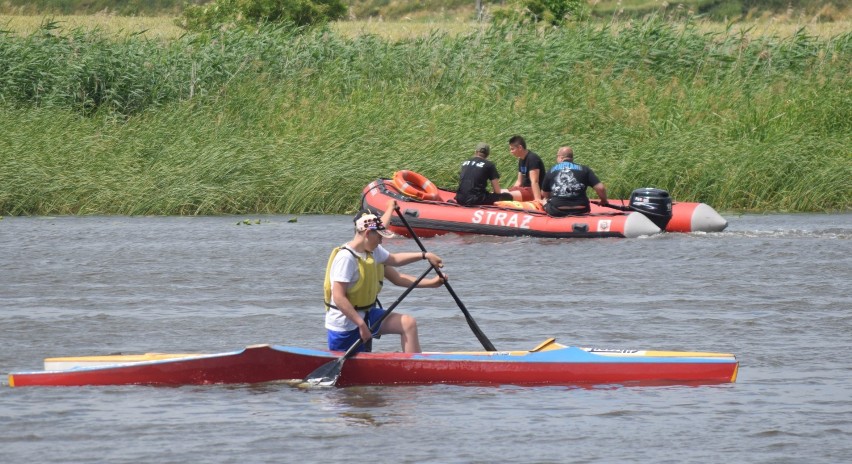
(775,289)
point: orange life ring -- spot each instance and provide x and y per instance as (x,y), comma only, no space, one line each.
(414,185)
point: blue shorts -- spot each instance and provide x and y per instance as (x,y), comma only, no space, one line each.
(342,341)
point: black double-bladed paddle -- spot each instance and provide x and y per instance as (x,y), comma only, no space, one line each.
(327,374)
(486,343)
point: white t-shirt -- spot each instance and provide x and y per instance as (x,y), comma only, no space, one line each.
(344,268)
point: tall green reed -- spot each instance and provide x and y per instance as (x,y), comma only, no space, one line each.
(287,122)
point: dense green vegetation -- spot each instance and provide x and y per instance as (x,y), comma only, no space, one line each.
(275,121)
(455,9)
(248,14)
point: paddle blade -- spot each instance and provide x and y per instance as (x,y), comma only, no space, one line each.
(327,374)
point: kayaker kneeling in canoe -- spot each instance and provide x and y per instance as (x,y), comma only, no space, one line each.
(353,279)
(565,186)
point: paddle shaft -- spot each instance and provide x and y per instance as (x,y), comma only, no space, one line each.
(486,343)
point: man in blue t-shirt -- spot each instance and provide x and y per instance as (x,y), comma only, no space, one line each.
(566,183)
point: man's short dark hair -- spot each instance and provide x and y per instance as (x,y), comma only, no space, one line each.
(518,140)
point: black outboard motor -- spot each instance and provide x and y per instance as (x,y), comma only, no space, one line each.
(654,203)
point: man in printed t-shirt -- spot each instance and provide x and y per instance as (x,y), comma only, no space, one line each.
(565,186)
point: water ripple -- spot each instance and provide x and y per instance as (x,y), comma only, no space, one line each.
(773,289)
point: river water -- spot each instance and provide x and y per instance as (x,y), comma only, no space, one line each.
(776,290)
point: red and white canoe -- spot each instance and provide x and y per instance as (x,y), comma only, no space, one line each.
(440,216)
(550,363)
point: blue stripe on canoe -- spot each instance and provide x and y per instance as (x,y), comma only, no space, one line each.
(569,354)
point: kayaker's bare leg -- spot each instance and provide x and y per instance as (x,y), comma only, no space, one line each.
(406,327)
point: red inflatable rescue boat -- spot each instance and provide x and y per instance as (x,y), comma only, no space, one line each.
(432,211)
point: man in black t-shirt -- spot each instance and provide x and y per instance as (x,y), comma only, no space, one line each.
(531,169)
(565,186)
(474,177)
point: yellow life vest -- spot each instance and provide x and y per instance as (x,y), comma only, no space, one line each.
(363,294)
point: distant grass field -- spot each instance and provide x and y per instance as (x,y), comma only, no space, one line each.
(163,27)
(160,27)
(108,120)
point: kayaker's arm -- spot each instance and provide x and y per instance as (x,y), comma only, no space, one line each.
(405,280)
(401,259)
(386,216)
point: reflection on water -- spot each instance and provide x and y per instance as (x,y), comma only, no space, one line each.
(359,405)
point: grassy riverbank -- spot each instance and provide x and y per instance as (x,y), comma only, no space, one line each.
(281,123)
